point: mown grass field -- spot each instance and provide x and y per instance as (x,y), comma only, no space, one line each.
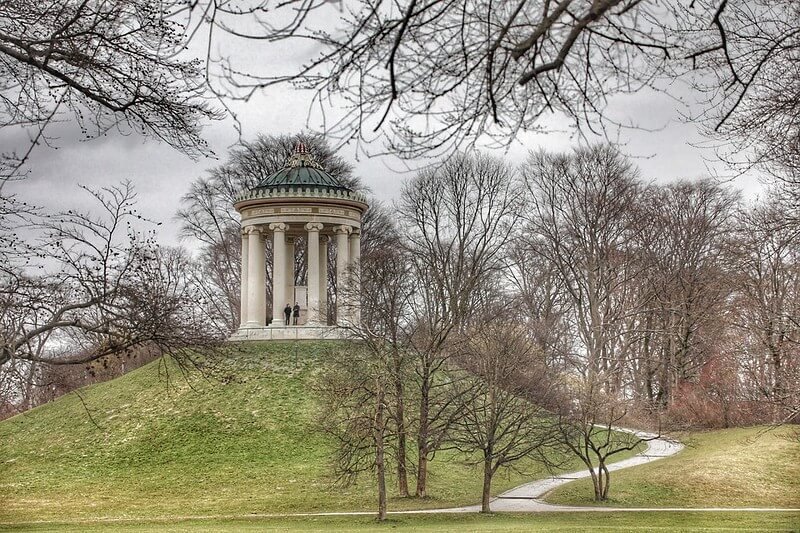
(638,522)
(743,467)
(157,444)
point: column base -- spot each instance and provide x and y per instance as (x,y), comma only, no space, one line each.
(289,333)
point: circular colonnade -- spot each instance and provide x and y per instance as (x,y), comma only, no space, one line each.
(300,200)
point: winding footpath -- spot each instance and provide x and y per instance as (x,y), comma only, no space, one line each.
(528,497)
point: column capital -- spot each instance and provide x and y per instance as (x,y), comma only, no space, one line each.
(355,232)
(323,239)
(251,229)
(278,226)
(314,226)
(344,228)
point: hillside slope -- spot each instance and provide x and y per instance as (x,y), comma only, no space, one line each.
(739,467)
(155,443)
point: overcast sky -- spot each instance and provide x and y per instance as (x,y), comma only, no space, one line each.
(162,175)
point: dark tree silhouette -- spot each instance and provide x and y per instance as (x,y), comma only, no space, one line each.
(102,65)
(90,286)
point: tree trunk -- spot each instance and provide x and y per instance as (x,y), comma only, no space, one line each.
(380,463)
(402,471)
(646,356)
(595,484)
(778,393)
(600,484)
(422,440)
(487,485)
(422,470)
(604,485)
(27,398)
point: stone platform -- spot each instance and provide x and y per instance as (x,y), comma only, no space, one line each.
(275,333)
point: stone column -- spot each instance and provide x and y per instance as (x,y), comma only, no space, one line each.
(342,257)
(323,280)
(256,279)
(354,262)
(289,294)
(278,271)
(312,257)
(243,279)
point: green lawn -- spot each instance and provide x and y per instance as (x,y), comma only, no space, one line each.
(745,467)
(563,522)
(147,447)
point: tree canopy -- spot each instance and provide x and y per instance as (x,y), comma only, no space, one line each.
(426,76)
(110,65)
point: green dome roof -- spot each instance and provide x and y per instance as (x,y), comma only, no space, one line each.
(301,171)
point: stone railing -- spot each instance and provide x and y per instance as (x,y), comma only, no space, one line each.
(300,192)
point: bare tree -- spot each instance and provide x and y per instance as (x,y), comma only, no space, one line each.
(539,299)
(504,397)
(435,74)
(748,53)
(354,388)
(582,223)
(685,288)
(589,429)
(94,287)
(431,75)
(768,248)
(386,292)
(440,74)
(459,217)
(111,65)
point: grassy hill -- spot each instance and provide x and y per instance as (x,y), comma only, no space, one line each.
(156,443)
(156,450)
(741,467)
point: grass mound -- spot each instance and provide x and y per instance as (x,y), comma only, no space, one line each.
(158,444)
(743,467)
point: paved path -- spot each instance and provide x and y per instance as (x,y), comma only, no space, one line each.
(527,497)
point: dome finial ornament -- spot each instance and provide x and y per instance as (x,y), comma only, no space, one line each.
(302,157)
(301,172)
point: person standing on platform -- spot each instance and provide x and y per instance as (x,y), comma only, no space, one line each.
(287,312)
(296,313)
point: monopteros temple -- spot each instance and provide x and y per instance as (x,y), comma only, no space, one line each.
(301,204)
